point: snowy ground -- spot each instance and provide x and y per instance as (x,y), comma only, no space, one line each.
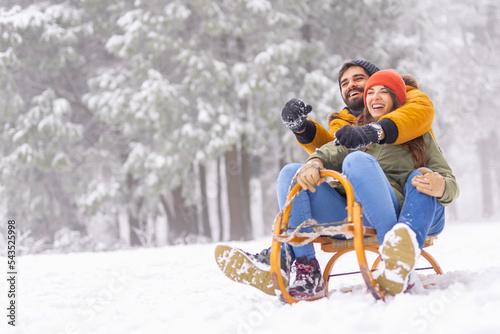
(181,290)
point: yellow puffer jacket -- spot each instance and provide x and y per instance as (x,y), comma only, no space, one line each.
(408,122)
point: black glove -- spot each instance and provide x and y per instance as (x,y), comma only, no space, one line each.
(354,137)
(294,114)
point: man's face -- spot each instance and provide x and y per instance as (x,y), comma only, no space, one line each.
(352,86)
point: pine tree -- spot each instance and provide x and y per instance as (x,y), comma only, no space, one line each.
(39,113)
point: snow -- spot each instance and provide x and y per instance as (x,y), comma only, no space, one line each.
(259,6)
(179,289)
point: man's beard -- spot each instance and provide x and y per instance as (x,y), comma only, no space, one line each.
(356,103)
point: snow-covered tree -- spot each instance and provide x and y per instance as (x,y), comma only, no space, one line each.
(39,66)
(459,48)
(127,116)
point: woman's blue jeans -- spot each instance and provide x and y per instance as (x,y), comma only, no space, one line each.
(422,213)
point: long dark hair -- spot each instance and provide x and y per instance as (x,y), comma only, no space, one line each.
(417,146)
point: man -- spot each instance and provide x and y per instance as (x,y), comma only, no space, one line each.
(410,121)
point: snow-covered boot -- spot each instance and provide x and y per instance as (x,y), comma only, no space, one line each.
(309,281)
(249,269)
(399,253)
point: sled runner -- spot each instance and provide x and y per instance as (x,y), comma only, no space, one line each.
(360,239)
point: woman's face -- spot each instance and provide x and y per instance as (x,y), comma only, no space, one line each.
(379,101)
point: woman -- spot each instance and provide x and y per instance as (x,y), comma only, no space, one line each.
(402,188)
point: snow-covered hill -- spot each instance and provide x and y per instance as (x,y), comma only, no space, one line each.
(181,290)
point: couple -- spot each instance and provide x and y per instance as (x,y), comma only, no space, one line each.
(402,188)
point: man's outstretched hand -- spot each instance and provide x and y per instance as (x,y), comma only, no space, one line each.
(294,114)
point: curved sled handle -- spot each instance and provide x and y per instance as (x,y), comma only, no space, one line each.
(281,226)
(297,188)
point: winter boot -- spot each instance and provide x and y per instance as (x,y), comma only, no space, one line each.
(309,281)
(249,269)
(399,253)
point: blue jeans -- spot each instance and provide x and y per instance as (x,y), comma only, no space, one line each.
(422,213)
(325,205)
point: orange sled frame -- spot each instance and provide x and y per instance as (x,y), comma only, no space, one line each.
(364,240)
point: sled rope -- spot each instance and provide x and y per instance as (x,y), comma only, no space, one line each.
(318,230)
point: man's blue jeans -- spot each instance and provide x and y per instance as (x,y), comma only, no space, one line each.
(325,205)
(422,213)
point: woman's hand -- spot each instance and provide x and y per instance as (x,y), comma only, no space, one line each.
(309,177)
(430,183)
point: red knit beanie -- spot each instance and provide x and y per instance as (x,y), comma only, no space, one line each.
(390,79)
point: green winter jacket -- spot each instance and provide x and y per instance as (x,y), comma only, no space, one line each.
(397,164)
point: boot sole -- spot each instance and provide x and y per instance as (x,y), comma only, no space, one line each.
(238,267)
(397,263)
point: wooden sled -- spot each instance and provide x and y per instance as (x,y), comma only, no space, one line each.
(364,239)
